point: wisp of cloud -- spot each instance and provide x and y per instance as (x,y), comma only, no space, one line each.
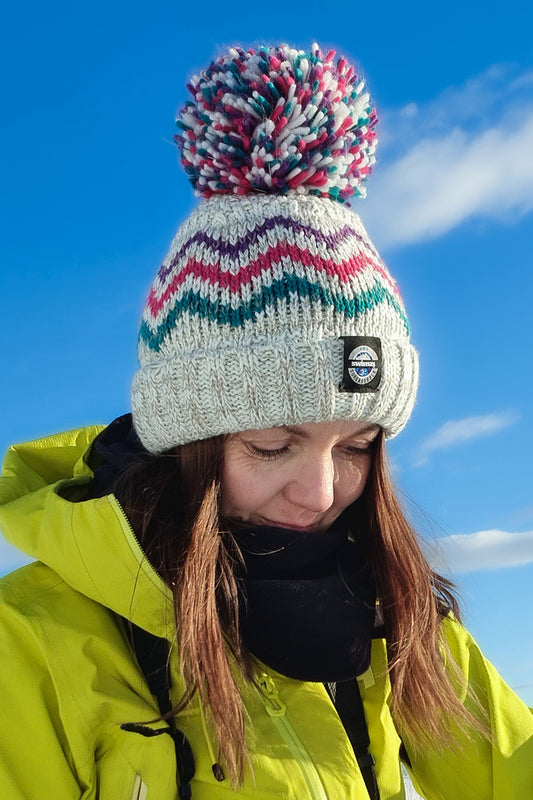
(456,432)
(467,153)
(483,550)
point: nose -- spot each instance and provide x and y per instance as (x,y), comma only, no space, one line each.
(313,486)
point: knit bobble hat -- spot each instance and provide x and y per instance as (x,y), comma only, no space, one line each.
(272,306)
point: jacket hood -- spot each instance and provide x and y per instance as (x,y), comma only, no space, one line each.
(48,509)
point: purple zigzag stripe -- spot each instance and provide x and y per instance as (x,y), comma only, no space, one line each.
(235,249)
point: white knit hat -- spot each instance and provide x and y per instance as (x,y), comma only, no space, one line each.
(272,306)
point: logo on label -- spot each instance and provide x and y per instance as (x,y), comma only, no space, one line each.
(363,365)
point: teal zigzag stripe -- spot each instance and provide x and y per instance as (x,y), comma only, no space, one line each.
(224,314)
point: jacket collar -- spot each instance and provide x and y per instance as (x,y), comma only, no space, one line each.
(47,510)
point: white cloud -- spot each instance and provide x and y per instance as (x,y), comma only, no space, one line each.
(526,79)
(467,153)
(483,550)
(456,432)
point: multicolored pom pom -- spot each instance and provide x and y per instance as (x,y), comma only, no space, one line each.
(278,121)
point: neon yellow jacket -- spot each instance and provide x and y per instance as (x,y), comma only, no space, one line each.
(68,677)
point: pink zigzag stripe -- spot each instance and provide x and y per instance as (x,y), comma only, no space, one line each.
(345,270)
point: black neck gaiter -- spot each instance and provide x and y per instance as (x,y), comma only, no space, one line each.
(307,601)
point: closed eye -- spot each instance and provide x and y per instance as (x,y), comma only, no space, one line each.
(267,454)
(359,449)
(355,449)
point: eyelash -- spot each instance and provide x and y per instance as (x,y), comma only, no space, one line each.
(268,455)
(356,451)
(271,455)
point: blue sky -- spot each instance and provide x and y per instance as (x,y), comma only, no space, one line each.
(93,194)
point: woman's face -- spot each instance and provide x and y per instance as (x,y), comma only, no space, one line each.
(297,476)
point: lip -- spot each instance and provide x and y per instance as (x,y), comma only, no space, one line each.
(290,527)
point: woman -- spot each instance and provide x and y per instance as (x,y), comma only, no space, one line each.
(228,597)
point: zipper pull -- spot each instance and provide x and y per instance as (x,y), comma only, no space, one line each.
(274,705)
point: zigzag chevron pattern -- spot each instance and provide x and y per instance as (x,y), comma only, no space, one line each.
(232,282)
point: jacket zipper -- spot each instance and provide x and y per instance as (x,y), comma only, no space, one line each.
(276,709)
(131,533)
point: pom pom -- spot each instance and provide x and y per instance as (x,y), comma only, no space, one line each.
(277,121)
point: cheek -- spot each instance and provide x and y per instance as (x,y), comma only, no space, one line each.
(230,492)
(241,491)
(352,480)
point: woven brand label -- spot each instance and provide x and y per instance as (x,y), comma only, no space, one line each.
(362,364)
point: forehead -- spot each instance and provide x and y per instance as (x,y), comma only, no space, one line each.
(316,430)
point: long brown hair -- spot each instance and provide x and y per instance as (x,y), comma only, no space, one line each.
(172,502)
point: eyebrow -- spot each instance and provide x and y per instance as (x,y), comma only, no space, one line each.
(295,431)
